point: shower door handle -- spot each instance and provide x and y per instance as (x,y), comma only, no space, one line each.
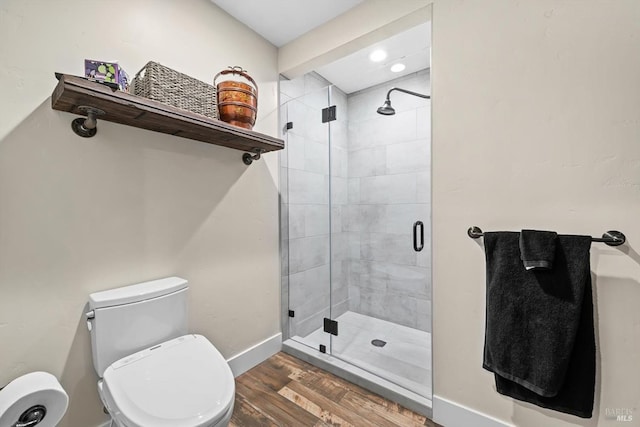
(415,236)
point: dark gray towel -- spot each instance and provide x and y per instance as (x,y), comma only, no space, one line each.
(539,338)
(537,248)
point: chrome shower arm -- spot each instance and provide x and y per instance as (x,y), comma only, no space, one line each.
(410,92)
(388,110)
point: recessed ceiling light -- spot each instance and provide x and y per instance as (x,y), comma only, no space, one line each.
(396,68)
(378,55)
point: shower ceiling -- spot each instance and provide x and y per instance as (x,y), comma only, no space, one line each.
(356,71)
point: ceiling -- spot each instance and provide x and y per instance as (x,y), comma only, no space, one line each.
(281,21)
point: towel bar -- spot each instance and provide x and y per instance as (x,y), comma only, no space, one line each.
(610,238)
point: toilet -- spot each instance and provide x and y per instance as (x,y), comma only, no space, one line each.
(152,372)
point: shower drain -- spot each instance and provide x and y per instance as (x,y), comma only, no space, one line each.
(379,343)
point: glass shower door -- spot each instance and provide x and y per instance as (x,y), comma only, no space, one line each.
(307,207)
(354,184)
(380,284)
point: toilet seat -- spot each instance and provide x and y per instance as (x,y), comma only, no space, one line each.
(184,382)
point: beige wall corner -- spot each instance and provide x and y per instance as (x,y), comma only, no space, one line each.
(535,125)
(365,24)
(80,215)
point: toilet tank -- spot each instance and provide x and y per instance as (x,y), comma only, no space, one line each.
(125,320)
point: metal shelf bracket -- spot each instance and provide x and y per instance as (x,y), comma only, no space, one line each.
(248,158)
(87,127)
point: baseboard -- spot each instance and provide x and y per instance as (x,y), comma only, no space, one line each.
(451,414)
(242,362)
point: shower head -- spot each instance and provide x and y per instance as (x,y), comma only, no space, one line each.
(388,110)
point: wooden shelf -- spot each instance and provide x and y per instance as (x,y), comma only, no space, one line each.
(73,92)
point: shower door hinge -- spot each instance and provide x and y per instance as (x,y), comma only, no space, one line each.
(287,127)
(323,348)
(292,313)
(331,326)
(329,114)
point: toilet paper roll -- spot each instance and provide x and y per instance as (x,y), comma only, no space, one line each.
(27,391)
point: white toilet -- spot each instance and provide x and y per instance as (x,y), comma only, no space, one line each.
(152,373)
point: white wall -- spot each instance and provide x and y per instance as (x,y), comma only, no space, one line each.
(535,125)
(81,215)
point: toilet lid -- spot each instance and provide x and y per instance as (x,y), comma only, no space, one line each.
(182,382)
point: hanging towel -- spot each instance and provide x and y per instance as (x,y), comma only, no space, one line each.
(537,249)
(539,338)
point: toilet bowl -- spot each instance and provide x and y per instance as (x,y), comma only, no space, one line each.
(182,382)
(151,374)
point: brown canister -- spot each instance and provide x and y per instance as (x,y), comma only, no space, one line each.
(237,101)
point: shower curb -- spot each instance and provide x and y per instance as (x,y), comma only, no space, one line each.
(358,376)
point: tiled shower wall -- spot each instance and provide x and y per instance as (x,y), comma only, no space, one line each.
(379,186)
(307,232)
(389,189)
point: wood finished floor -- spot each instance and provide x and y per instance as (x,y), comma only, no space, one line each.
(285,391)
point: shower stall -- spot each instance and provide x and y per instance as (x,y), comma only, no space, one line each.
(355,233)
